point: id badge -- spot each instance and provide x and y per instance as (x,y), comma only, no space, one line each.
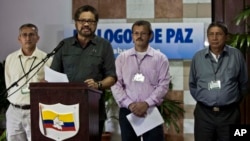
(25,89)
(214,85)
(138,77)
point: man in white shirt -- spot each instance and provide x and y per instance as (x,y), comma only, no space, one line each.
(17,65)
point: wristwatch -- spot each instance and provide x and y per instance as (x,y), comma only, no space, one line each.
(99,84)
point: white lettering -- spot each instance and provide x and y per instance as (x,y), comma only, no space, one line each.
(239,132)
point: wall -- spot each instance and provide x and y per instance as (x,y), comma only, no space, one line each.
(48,15)
(51,15)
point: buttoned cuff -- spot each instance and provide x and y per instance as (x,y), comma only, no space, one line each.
(127,102)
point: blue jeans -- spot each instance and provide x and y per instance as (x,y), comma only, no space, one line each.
(128,134)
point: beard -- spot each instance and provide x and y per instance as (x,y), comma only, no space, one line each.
(86,32)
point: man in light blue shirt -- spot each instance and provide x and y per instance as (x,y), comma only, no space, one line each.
(218,82)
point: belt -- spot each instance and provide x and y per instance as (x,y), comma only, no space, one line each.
(24,107)
(219,108)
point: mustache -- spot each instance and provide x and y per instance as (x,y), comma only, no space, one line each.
(139,39)
(85,28)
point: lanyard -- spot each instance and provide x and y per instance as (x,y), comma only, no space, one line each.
(23,66)
(139,62)
(218,66)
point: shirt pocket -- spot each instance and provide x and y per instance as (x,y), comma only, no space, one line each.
(231,73)
(152,77)
(70,62)
(95,65)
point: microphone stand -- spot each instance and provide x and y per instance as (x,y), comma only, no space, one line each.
(44,60)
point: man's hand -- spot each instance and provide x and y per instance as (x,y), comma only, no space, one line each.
(91,83)
(139,108)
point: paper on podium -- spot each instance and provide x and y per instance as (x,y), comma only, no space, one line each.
(144,124)
(54,76)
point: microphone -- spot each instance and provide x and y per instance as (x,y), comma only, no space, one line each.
(56,49)
(32,68)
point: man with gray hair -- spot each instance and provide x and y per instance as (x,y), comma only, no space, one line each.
(17,65)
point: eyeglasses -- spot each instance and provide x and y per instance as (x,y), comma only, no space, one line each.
(28,35)
(141,34)
(84,21)
(211,34)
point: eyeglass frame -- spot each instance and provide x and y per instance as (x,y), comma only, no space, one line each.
(88,21)
(140,33)
(25,35)
(217,34)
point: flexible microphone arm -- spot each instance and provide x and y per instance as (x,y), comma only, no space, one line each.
(44,60)
(56,49)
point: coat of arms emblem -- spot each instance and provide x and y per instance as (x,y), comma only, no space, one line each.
(59,121)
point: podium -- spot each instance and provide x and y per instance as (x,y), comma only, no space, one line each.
(66,94)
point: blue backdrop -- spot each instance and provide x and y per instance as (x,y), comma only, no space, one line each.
(175,40)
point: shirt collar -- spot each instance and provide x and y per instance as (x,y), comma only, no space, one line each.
(34,54)
(225,50)
(75,40)
(149,51)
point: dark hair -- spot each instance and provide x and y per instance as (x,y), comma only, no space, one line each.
(143,23)
(221,25)
(86,8)
(28,25)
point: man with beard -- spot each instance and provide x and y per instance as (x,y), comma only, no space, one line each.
(142,82)
(86,57)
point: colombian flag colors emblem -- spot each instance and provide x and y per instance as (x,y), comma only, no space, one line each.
(58,121)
